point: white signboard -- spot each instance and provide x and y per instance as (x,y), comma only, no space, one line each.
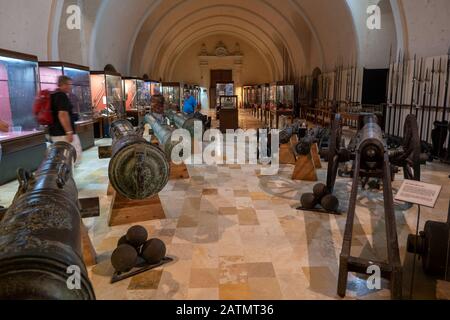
(420,193)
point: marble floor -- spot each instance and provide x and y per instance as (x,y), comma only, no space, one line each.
(234,234)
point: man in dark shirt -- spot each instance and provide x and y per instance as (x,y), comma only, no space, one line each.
(63,127)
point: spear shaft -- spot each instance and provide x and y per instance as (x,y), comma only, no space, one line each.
(413,85)
(438,98)
(418,87)
(397,89)
(446,88)
(400,113)
(431,92)
(422,120)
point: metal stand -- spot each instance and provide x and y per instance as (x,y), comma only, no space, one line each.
(391,270)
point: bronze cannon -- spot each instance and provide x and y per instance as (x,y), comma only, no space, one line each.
(163,133)
(40,239)
(182,121)
(138,169)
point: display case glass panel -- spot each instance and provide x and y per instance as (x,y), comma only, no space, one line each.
(172,95)
(246,96)
(224,89)
(81,96)
(114,95)
(142,93)
(266,95)
(107,96)
(228,102)
(49,77)
(130,94)
(18,88)
(288,96)
(273,94)
(259,95)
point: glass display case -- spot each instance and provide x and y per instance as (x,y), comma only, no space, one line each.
(24,145)
(224,89)
(81,90)
(18,88)
(151,88)
(282,96)
(228,102)
(259,95)
(136,98)
(80,96)
(246,96)
(172,95)
(286,97)
(107,100)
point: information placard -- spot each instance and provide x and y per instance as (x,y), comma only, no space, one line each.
(420,193)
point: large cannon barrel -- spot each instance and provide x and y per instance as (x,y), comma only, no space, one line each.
(138,169)
(371,144)
(40,235)
(182,121)
(163,133)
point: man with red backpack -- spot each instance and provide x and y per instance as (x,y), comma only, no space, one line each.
(62,127)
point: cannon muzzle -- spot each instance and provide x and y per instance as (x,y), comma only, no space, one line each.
(138,169)
(40,239)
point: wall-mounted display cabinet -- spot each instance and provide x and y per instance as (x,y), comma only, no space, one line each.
(80,97)
(107,100)
(24,144)
(172,95)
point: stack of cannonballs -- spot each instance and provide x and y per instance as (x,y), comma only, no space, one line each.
(134,247)
(320,196)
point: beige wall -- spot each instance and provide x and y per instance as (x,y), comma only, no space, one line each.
(24,26)
(254,69)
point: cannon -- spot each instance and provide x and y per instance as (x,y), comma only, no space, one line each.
(371,160)
(182,121)
(163,133)
(315,135)
(40,239)
(138,169)
(433,246)
(298,128)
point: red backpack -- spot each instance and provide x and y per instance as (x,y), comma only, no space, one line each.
(42,108)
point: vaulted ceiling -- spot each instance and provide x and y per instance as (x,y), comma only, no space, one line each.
(150,36)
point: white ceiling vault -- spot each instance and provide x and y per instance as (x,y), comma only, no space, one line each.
(150,36)
(157,32)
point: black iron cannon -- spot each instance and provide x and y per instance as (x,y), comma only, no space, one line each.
(433,246)
(371,160)
(138,169)
(40,238)
(315,135)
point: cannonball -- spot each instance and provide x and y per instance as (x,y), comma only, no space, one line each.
(330,203)
(309,201)
(153,251)
(124,258)
(320,190)
(122,241)
(137,236)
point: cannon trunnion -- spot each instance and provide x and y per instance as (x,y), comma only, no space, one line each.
(40,237)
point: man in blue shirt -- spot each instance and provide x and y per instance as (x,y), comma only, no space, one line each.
(190,104)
